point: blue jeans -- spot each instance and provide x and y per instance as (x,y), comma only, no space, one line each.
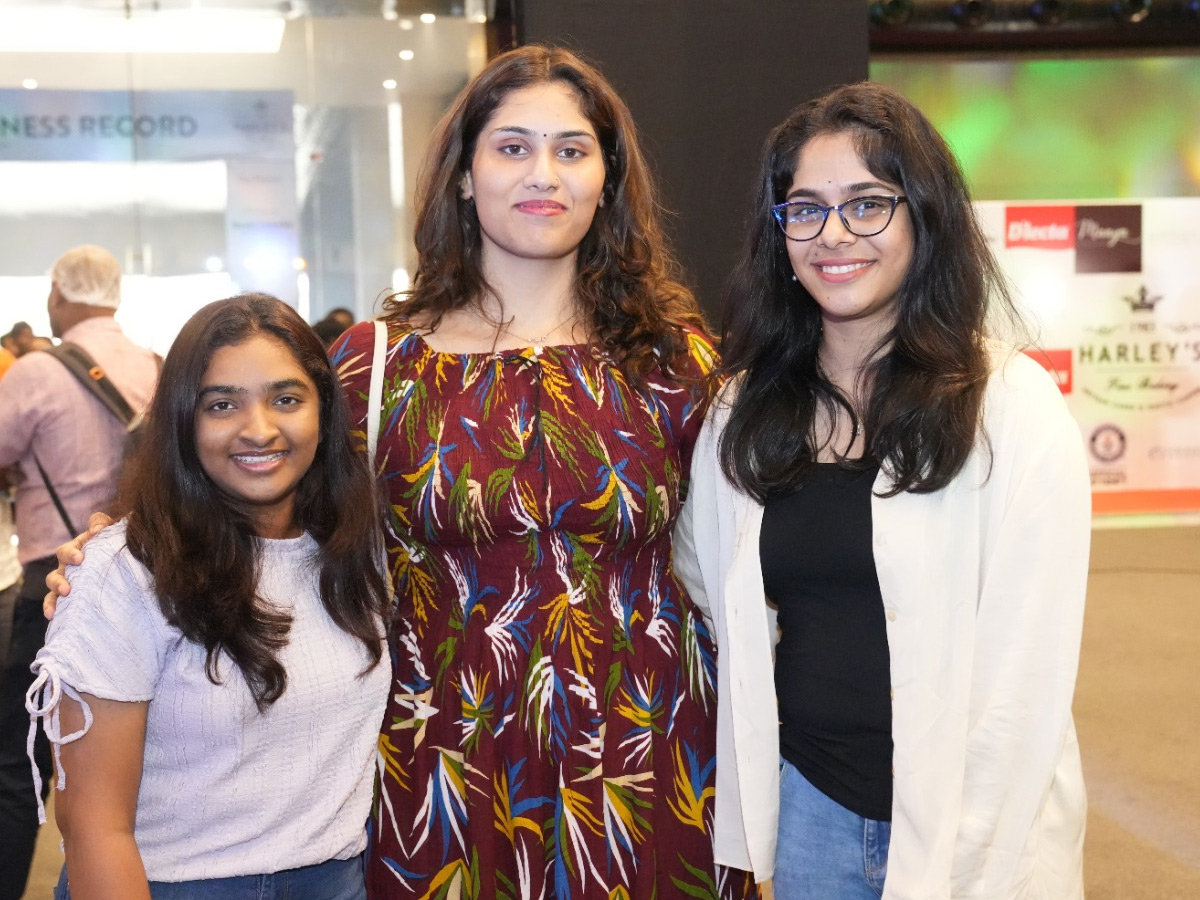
(338,879)
(825,851)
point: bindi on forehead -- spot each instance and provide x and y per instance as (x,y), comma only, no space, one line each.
(582,134)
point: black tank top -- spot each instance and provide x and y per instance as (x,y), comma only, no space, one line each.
(832,671)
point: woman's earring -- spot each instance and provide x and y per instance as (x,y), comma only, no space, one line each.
(794,278)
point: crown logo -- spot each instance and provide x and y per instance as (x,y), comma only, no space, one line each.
(1142,301)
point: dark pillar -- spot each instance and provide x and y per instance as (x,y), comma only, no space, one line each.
(706,80)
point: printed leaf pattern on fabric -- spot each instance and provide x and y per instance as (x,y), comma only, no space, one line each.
(550,732)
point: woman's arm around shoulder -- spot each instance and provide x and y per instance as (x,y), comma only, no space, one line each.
(70,554)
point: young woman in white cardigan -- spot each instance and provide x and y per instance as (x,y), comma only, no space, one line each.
(912,497)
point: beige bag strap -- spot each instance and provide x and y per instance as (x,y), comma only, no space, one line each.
(375,390)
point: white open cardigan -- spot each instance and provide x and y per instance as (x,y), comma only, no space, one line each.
(983,588)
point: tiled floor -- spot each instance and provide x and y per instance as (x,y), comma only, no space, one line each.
(1137,707)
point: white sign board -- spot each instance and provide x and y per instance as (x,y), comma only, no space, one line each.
(145,125)
(1112,291)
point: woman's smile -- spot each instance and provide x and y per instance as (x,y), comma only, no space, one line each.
(258,429)
(542,207)
(838,272)
(260,462)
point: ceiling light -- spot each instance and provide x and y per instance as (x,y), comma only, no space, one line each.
(971,13)
(1048,12)
(407,24)
(166,31)
(389,84)
(428,18)
(406,55)
(1131,11)
(29,84)
(891,12)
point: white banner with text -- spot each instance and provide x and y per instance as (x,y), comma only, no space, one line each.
(1112,293)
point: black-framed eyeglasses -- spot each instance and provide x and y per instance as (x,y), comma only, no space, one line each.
(803,220)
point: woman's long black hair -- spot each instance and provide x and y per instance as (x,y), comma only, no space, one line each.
(923,404)
(201,550)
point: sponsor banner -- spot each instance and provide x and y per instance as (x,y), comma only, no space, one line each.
(1044,227)
(1059,363)
(123,126)
(1108,239)
(1114,300)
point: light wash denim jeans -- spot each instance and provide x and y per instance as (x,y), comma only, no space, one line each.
(825,851)
(338,879)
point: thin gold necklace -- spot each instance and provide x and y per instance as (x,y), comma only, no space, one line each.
(537,343)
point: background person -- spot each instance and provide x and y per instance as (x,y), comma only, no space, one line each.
(339,315)
(22,340)
(47,416)
(328,331)
(334,325)
(10,565)
(226,638)
(914,498)
(10,573)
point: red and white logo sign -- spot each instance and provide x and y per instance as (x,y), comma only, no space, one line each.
(1044,227)
(1059,363)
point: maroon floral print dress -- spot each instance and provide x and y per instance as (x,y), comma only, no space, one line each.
(551,727)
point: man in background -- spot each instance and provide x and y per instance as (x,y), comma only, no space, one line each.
(22,340)
(10,567)
(47,416)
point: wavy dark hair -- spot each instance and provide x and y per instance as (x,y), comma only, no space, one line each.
(922,410)
(201,549)
(627,277)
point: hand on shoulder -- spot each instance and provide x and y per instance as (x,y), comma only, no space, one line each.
(70,554)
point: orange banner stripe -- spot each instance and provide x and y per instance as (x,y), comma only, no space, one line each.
(1145,502)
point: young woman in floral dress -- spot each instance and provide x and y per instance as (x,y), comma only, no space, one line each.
(550,732)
